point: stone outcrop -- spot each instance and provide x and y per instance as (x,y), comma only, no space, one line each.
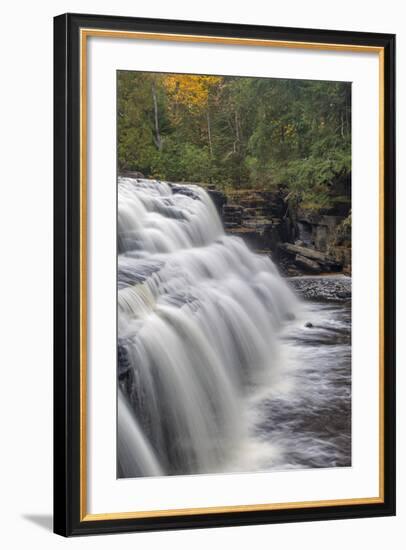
(256,216)
(218,197)
(298,240)
(328,234)
(307,264)
(311,259)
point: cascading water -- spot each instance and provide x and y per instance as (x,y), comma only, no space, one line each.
(199,322)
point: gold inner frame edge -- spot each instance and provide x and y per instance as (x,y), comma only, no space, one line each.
(84,34)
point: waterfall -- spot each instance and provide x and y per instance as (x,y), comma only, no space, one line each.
(198,321)
(135,455)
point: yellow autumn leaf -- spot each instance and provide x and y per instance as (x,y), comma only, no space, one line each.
(192,91)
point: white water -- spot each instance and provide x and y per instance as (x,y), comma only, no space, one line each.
(200,319)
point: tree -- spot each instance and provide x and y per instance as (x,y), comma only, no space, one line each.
(238,131)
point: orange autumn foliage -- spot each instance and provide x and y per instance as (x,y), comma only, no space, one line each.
(191,91)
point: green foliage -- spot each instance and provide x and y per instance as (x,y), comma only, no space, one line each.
(179,162)
(237,131)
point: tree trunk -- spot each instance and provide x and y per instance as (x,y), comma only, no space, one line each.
(209,131)
(237,132)
(158,139)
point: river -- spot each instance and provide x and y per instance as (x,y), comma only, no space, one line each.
(223,365)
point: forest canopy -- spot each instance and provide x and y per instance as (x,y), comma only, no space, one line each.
(236,132)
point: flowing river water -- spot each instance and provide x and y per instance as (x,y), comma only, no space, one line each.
(222,366)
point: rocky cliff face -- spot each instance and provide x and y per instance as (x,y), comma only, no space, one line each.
(329,234)
(258,217)
(299,241)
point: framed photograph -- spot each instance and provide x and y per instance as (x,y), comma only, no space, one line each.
(224,274)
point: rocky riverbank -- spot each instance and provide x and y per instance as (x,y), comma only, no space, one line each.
(334,288)
(301,242)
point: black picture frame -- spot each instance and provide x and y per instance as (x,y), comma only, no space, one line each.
(68,519)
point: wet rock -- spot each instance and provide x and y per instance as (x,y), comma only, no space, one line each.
(218,197)
(123,362)
(272,235)
(128,276)
(308,264)
(310,259)
(184,190)
(232,214)
(251,236)
(309,324)
(326,233)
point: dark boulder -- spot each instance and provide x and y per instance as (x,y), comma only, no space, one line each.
(218,197)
